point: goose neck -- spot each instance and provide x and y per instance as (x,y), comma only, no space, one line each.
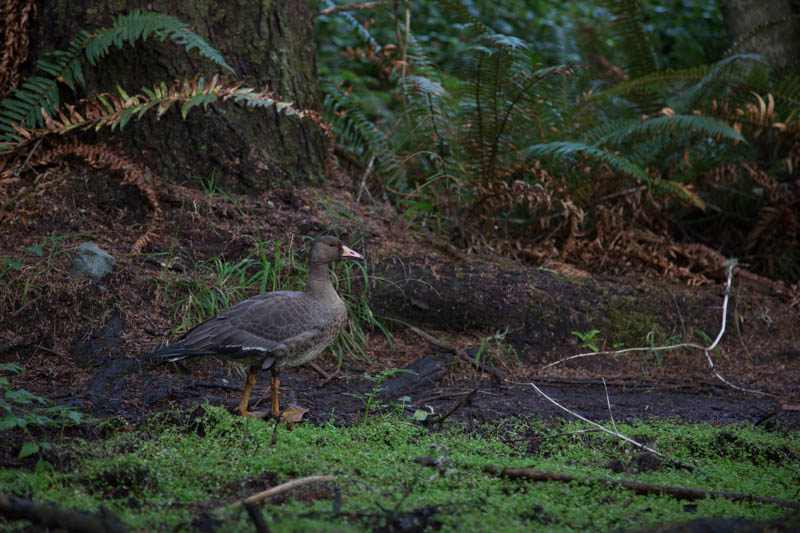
(318,282)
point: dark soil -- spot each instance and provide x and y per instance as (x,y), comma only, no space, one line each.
(82,343)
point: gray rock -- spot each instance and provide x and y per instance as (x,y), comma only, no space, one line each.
(91,261)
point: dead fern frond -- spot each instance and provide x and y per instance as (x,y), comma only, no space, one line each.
(103,157)
(116,110)
(16,16)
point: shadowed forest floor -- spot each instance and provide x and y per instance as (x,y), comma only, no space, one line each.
(81,342)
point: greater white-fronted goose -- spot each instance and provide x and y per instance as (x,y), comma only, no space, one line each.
(274,330)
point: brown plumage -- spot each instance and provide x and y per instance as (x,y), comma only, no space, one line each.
(274,330)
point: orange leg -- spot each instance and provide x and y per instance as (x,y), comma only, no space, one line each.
(248,386)
(275,382)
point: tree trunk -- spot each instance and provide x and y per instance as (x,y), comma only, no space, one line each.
(779,44)
(268,42)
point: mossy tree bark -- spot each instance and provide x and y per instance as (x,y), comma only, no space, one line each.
(268,42)
(779,44)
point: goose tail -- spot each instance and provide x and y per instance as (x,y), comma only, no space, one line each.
(176,352)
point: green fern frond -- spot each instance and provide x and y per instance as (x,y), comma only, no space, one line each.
(628,24)
(788,89)
(130,27)
(115,111)
(37,99)
(425,87)
(427,102)
(461,12)
(654,81)
(357,132)
(37,94)
(359,28)
(568,150)
(634,128)
(728,71)
(498,41)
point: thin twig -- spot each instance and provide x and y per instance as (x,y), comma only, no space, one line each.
(608,403)
(606,430)
(327,377)
(28,158)
(51,351)
(706,349)
(626,350)
(682,493)
(731,264)
(364,178)
(283,487)
(352,7)
(453,350)
(439,420)
(431,339)
(595,424)
(274,439)
(18,311)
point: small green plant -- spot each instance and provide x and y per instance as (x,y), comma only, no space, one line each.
(495,346)
(703,335)
(9,263)
(23,409)
(421,415)
(655,338)
(400,405)
(34,260)
(368,398)
(588,339)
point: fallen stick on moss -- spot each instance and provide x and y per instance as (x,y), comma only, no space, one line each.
(682,493)
(600,427)
(51,516)
(283,487)
(604,429)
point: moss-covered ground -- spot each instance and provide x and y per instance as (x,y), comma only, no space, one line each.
(181,471)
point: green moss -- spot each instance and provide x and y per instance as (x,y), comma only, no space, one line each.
(171,469)
(624,323)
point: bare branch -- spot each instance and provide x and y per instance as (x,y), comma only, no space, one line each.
(706,349)
(283,487)
(352,7)
(595,424)
(608,403)
(682,493)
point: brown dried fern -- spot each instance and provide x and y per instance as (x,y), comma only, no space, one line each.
(103,157)
(115,110)
(16,16)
